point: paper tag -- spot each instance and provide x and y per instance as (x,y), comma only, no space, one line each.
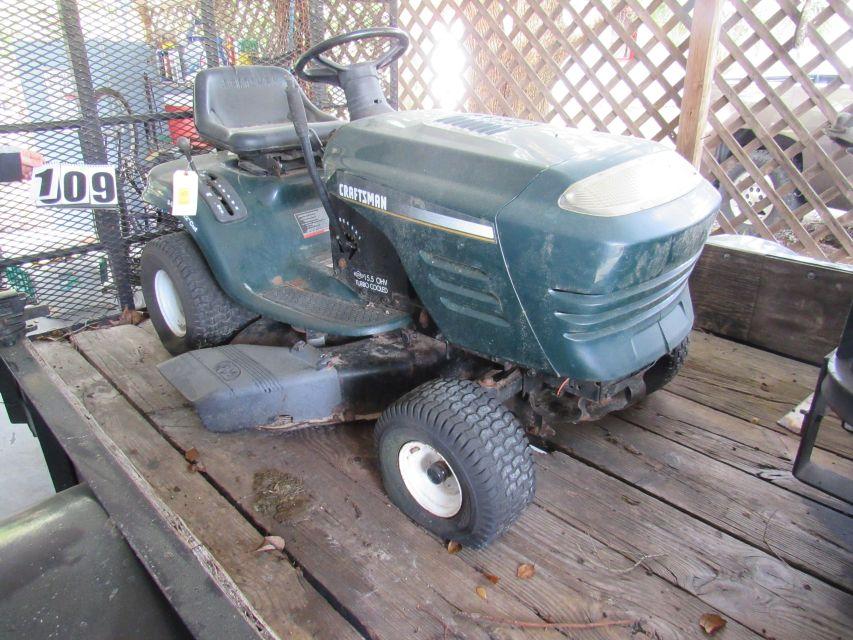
(184,193)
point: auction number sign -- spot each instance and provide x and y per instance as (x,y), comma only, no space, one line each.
(75,185)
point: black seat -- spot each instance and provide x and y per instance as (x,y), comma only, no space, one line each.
(244,109)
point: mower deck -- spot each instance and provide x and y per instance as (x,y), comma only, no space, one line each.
(681,506)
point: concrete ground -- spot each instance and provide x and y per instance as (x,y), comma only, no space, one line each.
(24,479)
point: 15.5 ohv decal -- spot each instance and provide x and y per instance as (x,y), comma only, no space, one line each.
(370,282)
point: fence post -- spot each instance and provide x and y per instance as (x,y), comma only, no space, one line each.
(316,33)
(395,66)
(93,150)
(699,78)
(208,23)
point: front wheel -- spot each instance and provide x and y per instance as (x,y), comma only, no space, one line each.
(456,461)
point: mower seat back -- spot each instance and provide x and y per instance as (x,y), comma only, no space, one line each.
(244,109)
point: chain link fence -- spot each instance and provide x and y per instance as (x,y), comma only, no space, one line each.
(110,82)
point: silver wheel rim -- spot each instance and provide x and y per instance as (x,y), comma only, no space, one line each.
(169,303)
(753,194)
(444,499)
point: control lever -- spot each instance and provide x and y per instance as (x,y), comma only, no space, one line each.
(185,147)
(300,124)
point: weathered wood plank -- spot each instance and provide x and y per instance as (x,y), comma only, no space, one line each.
(698,78)
(386,572)
(789,306)
(290,606)
(665,610)
(751,384)
(749,585)
(192,580)
(551,545)
(763,453)
(801,308)
(806,535)
(620,526)
(724,286)
(356,464)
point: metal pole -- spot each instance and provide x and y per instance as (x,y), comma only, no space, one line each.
(395,67)
(93,150)
(316,33)
(208,23)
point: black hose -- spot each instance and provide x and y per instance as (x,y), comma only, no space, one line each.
(303,133)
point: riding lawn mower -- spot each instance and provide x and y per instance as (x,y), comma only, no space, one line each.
(467,279)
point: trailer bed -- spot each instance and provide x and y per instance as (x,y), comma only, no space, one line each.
(679,507)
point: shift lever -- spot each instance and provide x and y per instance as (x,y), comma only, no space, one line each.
(185,147)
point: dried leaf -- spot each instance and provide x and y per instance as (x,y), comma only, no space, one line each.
(271,543)
(192,455)
(711,623)
(197,467)
(491,577)
(453,547)
(632,449)
(525,571)
(631,501)
(481,591)
(129,316)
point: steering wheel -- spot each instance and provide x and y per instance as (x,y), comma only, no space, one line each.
(327,71)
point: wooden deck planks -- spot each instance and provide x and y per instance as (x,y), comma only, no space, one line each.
(668,610)
(628,495)
(291,607)
(748,585)
(805,534)
(596,526)
(759,451)
(383,570)
(549,542)
(751,384)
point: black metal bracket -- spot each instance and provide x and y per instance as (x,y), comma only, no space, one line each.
(805,469)
(834,390)
(12,320)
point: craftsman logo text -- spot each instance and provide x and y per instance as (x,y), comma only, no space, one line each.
(363,196)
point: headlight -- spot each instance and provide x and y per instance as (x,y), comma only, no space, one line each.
(641,183)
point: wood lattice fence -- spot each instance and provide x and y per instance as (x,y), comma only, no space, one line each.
(781,77)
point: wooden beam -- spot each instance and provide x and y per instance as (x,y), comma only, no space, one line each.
(789,305)
(701,59)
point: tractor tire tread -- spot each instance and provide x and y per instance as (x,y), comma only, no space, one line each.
(212,317)
(488,438)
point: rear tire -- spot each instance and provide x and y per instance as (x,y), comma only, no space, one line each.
(455,425)
(188,308)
